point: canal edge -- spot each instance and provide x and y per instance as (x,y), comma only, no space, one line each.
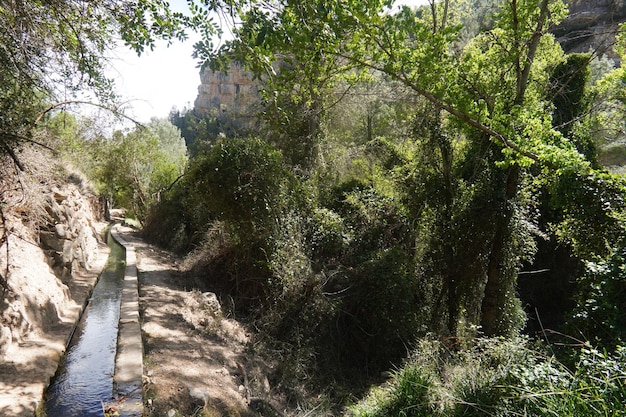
(83,307)
(128,374)
(57,356)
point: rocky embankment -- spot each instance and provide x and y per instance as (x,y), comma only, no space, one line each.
(51,252)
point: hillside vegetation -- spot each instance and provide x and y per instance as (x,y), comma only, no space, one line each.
(420,184)
(422,226)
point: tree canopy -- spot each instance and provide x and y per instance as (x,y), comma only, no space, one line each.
(498,92)
(54,53)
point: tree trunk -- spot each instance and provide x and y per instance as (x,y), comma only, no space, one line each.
(494,299)
(452,281)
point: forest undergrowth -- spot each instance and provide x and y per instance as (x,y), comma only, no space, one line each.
(381,216)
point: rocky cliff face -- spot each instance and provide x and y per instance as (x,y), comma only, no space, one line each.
(591,25)
(232,98)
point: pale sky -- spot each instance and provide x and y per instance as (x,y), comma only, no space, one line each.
(157,80)
(164,78)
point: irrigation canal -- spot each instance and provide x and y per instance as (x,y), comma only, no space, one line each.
(84,380)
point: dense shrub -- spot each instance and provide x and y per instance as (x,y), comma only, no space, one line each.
(240,181)
(381,311)
(592,207)
(329,234)
(168,223)
(225,211)
(377,221)
(343,298)
(598,314)
(498,377)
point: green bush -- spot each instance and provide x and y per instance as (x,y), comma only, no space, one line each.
(342,293)
(329,234)
(381,309)
(240,181)
(499,377)
(408,398)
(168,223)
(592,206)
(598,314)
(334,197)
(377,221)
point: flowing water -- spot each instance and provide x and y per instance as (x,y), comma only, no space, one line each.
(84,379)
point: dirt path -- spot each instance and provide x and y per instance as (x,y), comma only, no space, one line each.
(195,359)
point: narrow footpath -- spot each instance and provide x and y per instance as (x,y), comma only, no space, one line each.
(177,347)
(196,358)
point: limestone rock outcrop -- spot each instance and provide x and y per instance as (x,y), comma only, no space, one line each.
(232,98)
(69,239)
(591,25)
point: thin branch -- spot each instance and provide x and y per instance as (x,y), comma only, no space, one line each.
(341,97)
(173,183)
(89,103)
(433,10)
(464,117)
(532,50)
(77,34)
(15,137)
(13,156)
(444,19)
(20,138)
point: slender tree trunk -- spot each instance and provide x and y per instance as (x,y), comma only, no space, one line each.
(494,300)
(452,281)
(448,298)
(491,309)
(495,297)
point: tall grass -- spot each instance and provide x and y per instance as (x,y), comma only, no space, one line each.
(497,377)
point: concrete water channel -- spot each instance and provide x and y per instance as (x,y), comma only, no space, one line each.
(102,367)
